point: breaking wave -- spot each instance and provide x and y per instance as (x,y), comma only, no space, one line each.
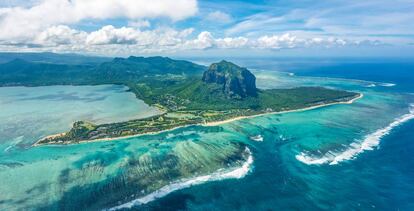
(374,84)
(369,143)
(14,143)
(236,173)
(387,84)
(370,85)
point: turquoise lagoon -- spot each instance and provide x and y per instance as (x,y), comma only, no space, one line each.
(327,158)
(28,113)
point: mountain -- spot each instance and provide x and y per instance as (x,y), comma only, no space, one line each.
(21,72)
(236,82)
(137,67)
(47,57)
(119,71)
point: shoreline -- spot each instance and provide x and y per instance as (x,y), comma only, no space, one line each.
(282,112)
(209,124)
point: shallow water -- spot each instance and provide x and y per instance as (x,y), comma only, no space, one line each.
(99,175)
(28,113)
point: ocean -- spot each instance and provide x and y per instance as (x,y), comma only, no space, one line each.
(355,156)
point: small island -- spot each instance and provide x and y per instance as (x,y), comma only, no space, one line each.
(224,92)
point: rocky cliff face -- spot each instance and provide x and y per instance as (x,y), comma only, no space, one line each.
(237,82)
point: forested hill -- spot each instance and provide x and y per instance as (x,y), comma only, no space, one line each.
(119,70)
(138,67)
(48,57)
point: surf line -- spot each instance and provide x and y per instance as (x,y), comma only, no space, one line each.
(234,173)
(370,142)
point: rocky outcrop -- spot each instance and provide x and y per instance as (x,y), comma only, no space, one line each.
(237,82)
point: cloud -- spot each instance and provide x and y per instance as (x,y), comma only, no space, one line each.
(219,17)
(18,23)
(232,42)
(60,35)
(257,22)
(203,41)
(110,40)
(139,24)
(111,35)
(278,42)
(387,21)
(84,25)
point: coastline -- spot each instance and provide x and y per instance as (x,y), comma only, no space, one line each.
(209,124)
(283,112)
(105,139)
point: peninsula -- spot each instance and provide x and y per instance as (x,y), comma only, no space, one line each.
(225,92)
(187,93)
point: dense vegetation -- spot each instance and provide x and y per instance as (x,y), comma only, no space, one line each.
(196,95)
(53,58)
(118,71)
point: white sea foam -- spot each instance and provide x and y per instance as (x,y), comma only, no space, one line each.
(258,138)
(8,148)
(379,84)
(15,141)
(387,84)
(221,174)
(370,142)
(370,85)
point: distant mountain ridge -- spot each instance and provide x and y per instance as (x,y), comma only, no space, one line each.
(48,57)
(237,82)
(152,65)
(119,70)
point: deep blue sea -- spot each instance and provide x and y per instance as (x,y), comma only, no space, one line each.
(342,157)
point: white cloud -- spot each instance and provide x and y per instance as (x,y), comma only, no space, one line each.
(18,23)
(203,41)
(219,17)
(387,21)
(230,42)
(139,24)
(162,38)
(111,35)
(258,22)
(60,35)
(110,40)
(278,42)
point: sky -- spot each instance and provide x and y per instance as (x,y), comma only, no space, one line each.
(209,28)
